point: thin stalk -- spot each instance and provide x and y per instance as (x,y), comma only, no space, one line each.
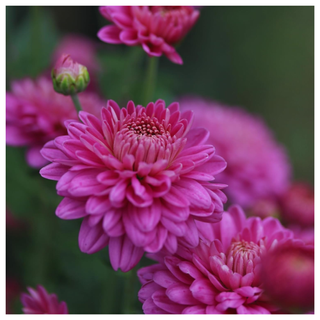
(150,82)
(130,297)
(76,102)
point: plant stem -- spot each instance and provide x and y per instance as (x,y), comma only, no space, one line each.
(76,102)
(130,294)
(150,82)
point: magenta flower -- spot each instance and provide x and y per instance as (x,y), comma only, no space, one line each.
(297,205)
(155,28)
(288,277)
(257,165)
(35,114)
(221,275)
(139,177)
(41,302)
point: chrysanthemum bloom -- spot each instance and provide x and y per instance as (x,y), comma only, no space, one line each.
(41,302)
(155,28)
(288,277)
(68,76)
(221,275)
(139,176)
(35,114)
(257,165)
(297,205)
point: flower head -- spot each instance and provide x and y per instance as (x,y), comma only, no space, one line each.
(221,275)
(257,165)
(35,114)
(155,28)
(41,302)
(297,205)
(291,267)
(69,77)
(140,178)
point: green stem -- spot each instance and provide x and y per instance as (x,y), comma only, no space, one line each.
(150,82)
(130,294)
(76,102)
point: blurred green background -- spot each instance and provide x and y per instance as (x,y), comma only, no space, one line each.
(260,58)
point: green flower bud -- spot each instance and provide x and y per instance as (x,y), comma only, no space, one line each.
(69,77)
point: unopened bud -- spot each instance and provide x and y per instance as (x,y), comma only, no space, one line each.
(69,77)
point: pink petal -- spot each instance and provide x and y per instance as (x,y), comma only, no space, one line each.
(110,34)
(123,253)
(181,294)
(92,239)
(150,308)
(162,301)
(196,136)
(69,209)
(197,309)
(53,171)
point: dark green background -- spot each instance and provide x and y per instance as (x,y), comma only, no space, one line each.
(260,58)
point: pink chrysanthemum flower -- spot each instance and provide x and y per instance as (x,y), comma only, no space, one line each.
(288,277)
(41,302)
(297,205)
(155,28)
(35,114)
(257,165)
(221,275)
(139,176)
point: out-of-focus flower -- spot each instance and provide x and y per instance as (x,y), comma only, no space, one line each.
(297,205)
(139,176)
(221,275)
(288,277)
(12,292)
(305,234)
(12,222)
(155,28)
(80,48)
(41,302)
(35,114)
(69,77)
(264,208)
(257,165)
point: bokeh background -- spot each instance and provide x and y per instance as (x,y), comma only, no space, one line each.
(260,58)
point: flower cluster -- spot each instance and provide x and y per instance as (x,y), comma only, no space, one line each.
(151,179)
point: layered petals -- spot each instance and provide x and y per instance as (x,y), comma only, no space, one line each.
(35,114)
(139,178)
(156,28)
(222,275)
(39,301)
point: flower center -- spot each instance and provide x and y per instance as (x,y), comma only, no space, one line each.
(146,126)
(147,138)
(243,256)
